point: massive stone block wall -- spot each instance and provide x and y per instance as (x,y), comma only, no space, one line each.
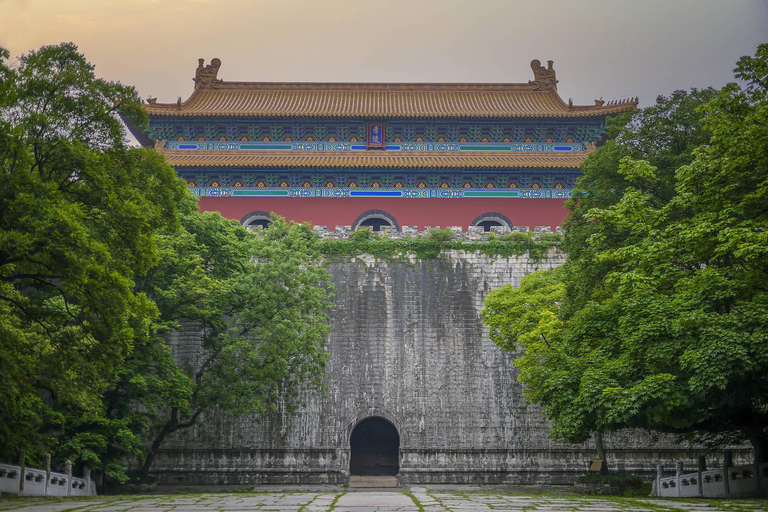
(408,345)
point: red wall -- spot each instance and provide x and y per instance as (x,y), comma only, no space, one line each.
(408,212)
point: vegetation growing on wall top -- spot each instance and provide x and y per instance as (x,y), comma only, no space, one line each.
(364,241)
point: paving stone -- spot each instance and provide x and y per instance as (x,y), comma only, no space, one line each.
(374,499)
(364,501)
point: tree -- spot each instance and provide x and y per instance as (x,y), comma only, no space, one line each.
(103,255)
(664,322)
(528,318)
(666,135)
(78,214)
(260,303)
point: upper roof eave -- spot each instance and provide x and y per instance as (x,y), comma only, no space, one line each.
(375,100)
(404,103)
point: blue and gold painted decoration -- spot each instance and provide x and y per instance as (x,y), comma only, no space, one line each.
(520,193)
(362,133)
(376,136)
(399,184)
(523,147)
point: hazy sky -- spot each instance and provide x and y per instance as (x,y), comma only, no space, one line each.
(601,48)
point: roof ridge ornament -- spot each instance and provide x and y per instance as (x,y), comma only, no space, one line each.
(205,76)
(543,78)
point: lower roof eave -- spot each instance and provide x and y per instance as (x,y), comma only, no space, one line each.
(374,159)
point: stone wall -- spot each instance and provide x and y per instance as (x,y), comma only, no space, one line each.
(408,345)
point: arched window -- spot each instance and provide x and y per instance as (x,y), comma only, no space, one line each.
(254,219)
(376,219)
(487,220)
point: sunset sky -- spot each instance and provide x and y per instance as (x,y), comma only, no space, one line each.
(610,49)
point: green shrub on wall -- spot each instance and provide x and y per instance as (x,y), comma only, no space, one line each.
(364,241)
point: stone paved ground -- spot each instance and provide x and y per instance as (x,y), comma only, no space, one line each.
(336,499)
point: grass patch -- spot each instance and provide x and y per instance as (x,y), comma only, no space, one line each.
(414,500)
(304,506)
(438,500)
(335,501)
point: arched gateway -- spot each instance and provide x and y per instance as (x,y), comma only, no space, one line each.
(374,448)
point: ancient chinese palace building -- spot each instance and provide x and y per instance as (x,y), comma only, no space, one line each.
(416,391)
(380,154)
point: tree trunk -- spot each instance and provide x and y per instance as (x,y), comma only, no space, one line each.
(600,449)
(153,450)
(598,436)
(172,425)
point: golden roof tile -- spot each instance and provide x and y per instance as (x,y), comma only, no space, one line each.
(372,159)
(537,98)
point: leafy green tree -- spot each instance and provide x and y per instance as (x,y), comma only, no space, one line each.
(78,214)
(261,305)
(666,135)
(104,256)
(664,322)
(528,318)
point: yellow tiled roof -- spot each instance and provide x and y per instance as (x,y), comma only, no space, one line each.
(371,159)
(381,101)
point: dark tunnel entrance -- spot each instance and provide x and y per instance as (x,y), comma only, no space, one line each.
(375,447)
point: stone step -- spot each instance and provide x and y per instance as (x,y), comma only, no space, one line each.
(373,481)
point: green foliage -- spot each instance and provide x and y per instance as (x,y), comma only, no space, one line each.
(664,321)
(617,484)
(362,235)
(627,479)
(78,212)
(665,135)
(525,316)
(104,256)
(261,302)
(430,247)
(527,319)
(440,235)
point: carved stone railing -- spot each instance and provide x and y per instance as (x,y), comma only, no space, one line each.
(732,482)
(21,480)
